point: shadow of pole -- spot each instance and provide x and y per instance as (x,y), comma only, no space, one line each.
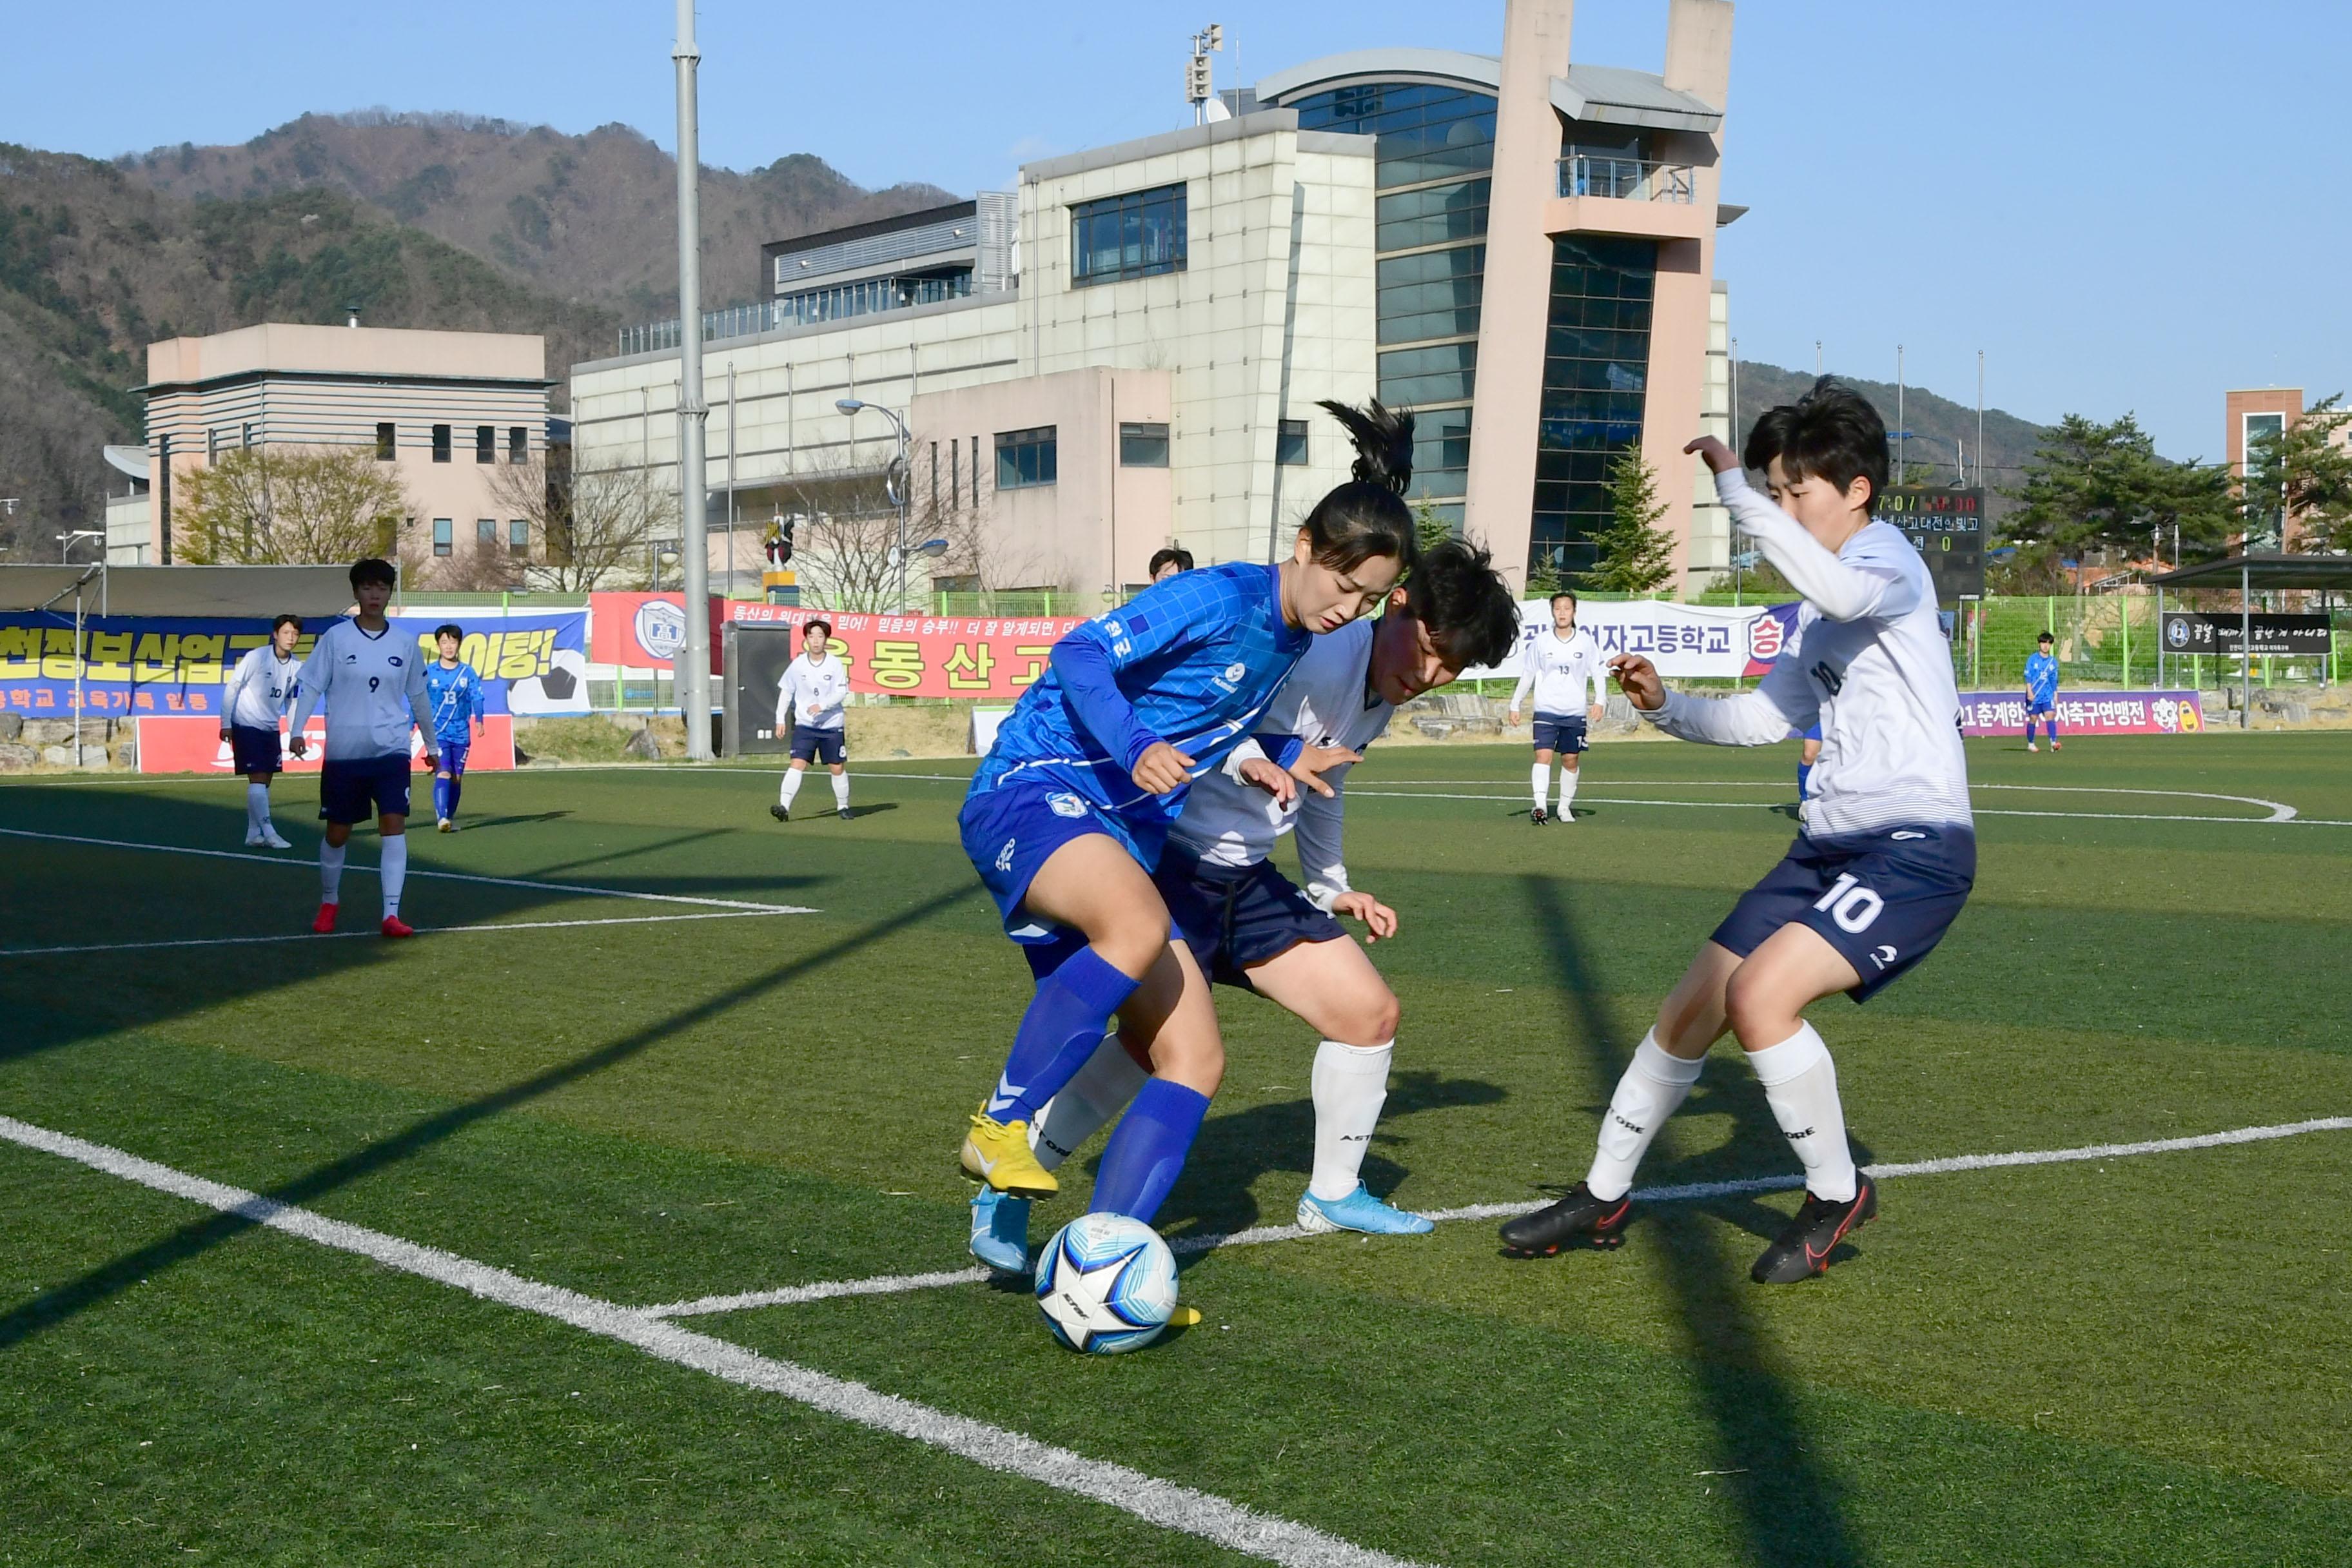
(109,1280)
(1790,1501)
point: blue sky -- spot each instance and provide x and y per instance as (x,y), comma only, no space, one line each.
(2127,206)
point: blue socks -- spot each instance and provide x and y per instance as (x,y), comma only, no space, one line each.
(440,797)
(1147,1150)
(1804,781)
(456,786)
(1063,1025)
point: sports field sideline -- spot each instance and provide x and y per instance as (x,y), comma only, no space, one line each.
(616,1219)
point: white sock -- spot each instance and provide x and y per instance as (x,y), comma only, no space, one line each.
(841,791)
(257,807)
(1539,776)
(331,873)
(1350,1084)
(791,787)
(1654,1088)
(1099,1091)
(1567,777)
(395,872)
(1801,1084)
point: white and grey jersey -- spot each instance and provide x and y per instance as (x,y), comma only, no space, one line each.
(1561,671)
(372,688)
(1869,659)
(259,691)
(811,695)
(1326,701)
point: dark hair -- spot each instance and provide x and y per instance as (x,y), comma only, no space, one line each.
(1175,555)
(1471,612)
(449,630)
(816,625)
(2045,636)
(294,621)
(1367,516)
(1565,593)
(1830,433)
(373,569)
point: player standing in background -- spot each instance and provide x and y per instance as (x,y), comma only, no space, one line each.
(1166,564)
(1562,664)
(372,687)
(454,690)
(255,698)
(1068,811)
(1883,863)
(810,697)
(1247,925)
(2042,691)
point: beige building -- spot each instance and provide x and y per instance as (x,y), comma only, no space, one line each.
(443,410)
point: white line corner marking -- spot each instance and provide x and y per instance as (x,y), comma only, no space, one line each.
(1157,1502)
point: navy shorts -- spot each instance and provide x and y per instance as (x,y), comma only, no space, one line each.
(352,791)
(453,756)
(256,750)
(1012,829)
(1883,898)
(1232,916)
(810,744)
(1559,733)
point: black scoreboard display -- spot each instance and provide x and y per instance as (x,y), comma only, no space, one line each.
(1946,528)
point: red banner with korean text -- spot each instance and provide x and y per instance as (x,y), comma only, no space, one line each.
(984,656)
(178,744)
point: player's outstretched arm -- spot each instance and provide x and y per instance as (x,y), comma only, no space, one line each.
(1783,701)
(1840,590)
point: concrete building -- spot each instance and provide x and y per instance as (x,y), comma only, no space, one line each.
(2248,414)
(442,410)
(1519,248)
(129,523)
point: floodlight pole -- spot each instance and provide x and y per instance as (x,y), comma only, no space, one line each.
(694,502)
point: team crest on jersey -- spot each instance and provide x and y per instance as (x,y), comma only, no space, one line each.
(393,661)
(1233,672)
(1064,804)
(1004,855)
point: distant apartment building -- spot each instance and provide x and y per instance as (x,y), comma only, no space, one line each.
(2248,413)
(1126,350)
(130,522)
(443,410)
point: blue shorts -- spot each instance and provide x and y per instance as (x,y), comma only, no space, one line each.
(1559,733)
(352,791)
(256,750)
(811,745)
(453,756)
(2036,709)
(1010,831)
(1883,898)
(1235,916)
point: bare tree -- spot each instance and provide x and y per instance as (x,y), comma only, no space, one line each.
(842,537)
(269,506)
(589,529)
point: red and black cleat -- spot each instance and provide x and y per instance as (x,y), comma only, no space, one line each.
(1803,1249)
(1579,1217)
(325,920)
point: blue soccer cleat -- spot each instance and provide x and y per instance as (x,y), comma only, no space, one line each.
(1000,1231)
(1358,1211)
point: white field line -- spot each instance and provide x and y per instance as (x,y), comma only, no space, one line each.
(370,931)
(1163,1503)
(893,1284)
(745,904)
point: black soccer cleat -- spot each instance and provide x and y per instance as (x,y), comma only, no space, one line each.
(781,813)
(1601,1224)
(1538,816)
(1802,1250)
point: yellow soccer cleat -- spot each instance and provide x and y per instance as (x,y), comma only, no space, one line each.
(997,1152)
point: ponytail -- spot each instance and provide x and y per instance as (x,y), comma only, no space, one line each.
(1367,516)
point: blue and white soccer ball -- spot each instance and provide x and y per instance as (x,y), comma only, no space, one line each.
(1106,1283)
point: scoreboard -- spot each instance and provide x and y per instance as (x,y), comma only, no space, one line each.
(1946,528)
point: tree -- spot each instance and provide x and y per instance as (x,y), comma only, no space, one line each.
(2093,487)
(288,506)
(1637,556)
(1429,529)
(589,531)
(2306,465)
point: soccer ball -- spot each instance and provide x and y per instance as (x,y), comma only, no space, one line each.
(1106,1283)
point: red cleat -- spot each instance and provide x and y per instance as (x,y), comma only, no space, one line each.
(326,920)
(394,926)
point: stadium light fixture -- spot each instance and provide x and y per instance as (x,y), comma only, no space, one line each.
(848,405)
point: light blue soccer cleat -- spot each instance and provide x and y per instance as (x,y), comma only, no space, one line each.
(1357,1211)
(1000,1231)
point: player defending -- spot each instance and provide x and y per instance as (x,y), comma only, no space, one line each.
(372,688)
(1562,664)
(1069,810)
(811,697)
(259,692)
(455,690)
(1882,862)
(2041,692)
(1247,925)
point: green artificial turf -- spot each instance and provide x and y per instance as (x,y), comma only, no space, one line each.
(2124,1361)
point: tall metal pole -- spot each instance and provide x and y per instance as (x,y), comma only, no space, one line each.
(1900,431)
(693,667)
(1980,418)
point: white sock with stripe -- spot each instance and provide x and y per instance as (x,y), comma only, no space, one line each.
(1800,1085)
(1655,1085)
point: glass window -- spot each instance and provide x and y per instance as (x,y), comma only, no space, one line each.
(486,442)
(444,532)
(1025,458)
(517,443)
(1431,215)
(1596,375)
(1290,442)
(486,532)
(517,536)
(387,442)
(1143,446)
(1133,235)
(440,443)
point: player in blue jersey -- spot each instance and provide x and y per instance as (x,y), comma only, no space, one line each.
(1808,754)
(1068,811)
(455,690)
(2042,691)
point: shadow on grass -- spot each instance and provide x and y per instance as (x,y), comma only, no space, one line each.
(1792,1504)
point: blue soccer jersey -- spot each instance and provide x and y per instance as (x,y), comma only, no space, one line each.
(1191,661)
(456,696)
(2041,679)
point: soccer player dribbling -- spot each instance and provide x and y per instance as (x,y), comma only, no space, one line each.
(371,684)
(259,692)
(1882,862)
(455,690)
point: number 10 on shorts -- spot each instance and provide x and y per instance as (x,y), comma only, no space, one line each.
(1851,904)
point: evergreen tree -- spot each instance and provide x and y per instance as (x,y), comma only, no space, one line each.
(1637,556)
(2090,487)
(1429,529)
